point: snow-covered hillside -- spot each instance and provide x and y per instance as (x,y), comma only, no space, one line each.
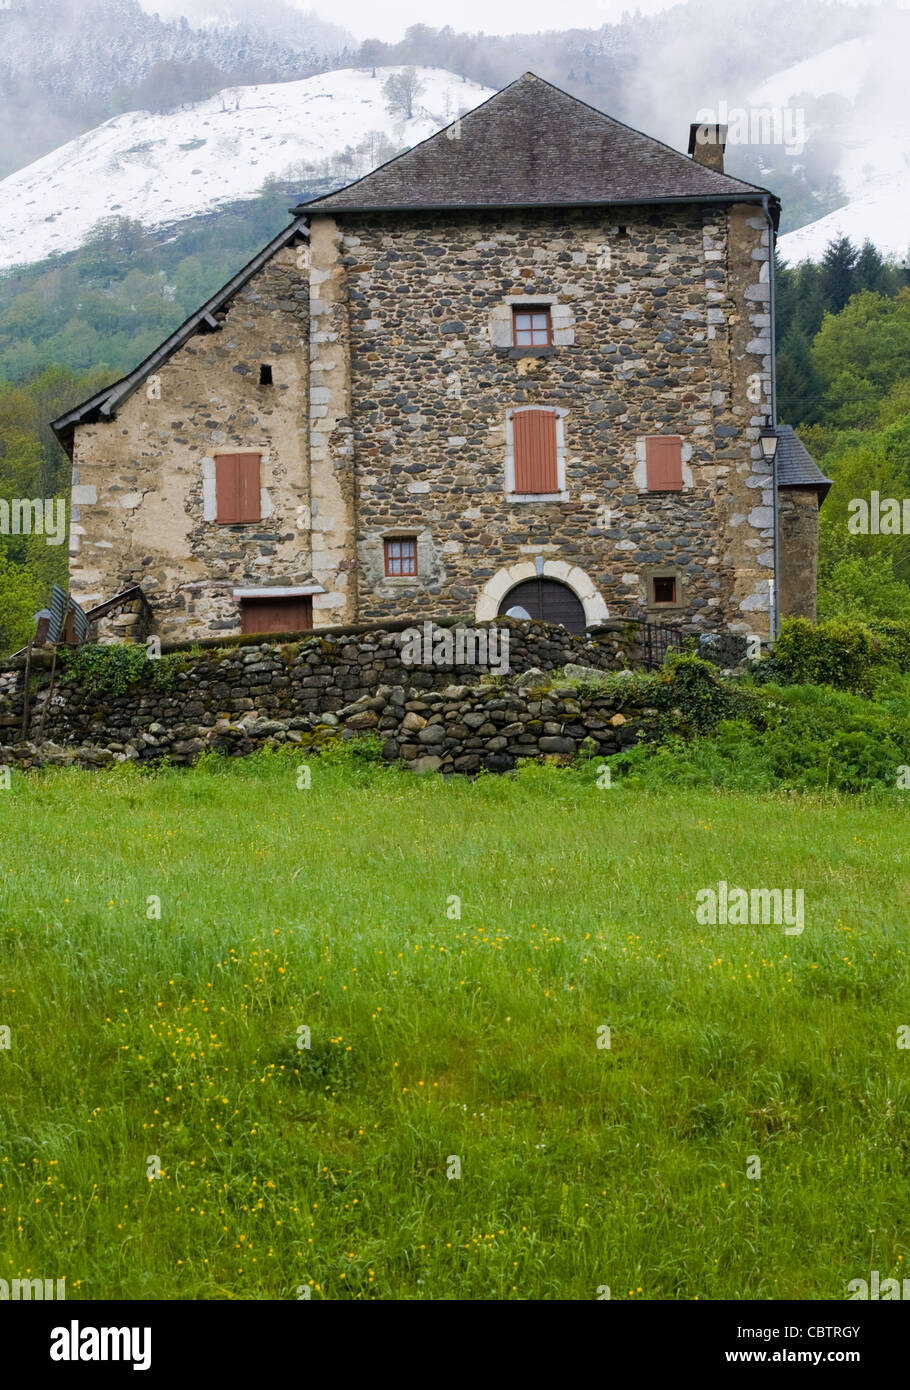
(78,51)
(158,169)
(871,129)
(880,214)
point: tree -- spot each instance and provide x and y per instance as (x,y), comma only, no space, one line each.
(861,462)
(870,271)
(20,598)
(401,90)
(785,281)
(799,389)
(861,353)
(863,588)
(896,405)
(373,53)
(838,272)
(421,44)
(170,84)
(810,299)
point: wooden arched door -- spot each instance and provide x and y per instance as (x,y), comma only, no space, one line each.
(548,600)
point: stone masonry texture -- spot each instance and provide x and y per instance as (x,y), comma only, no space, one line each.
(234,699)
(393,377)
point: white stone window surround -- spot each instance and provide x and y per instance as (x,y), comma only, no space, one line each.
(209,497)
(561,495)
(562,320)
(640,472)
(677,602)
(422,539)
(403,533)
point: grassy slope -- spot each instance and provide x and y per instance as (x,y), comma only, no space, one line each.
(434,1037)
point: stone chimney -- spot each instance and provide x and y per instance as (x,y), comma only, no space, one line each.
(706,145)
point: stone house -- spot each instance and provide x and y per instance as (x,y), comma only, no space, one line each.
(525,366)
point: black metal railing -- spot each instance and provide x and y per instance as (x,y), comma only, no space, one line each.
(655,641)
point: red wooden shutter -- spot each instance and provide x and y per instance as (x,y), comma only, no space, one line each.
(534,443)
(226,504)
(237,487)
(664,455)
(248,486)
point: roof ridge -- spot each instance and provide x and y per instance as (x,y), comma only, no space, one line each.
(409,180)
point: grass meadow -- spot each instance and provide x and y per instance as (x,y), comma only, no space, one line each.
(439,1040)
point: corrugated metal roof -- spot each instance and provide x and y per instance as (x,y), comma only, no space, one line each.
(534,145)
(795,465)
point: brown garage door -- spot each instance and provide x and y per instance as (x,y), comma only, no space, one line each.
(549,600)
(277,614)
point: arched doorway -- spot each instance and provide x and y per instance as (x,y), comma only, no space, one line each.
(547,600)
(504,583)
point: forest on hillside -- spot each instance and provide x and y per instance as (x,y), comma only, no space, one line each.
(77,323)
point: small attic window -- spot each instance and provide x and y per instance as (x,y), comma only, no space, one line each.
(622,231)
(265,374)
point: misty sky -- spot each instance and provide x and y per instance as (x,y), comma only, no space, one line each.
(388,19)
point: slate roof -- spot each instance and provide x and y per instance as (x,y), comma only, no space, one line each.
(104,404)
(529,145)
(534,145)
(795,465)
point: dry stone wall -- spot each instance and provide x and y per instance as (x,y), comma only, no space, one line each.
(460,729)
(302,692)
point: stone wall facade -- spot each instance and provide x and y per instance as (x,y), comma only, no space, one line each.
(661,326)
(798,552)
(143,497)
(393,382)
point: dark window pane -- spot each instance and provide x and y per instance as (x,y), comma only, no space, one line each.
(401,557)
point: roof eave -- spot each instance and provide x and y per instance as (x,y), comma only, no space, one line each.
(821,485)
(756,195)
(104,404)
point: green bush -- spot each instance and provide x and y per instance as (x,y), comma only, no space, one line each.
(840,654)
(362,751)
(894,639)
(695,688)
(113,668)
(808,738)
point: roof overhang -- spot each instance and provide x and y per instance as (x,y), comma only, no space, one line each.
(797,470)
(746,196)
(105,404)
(821,488)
